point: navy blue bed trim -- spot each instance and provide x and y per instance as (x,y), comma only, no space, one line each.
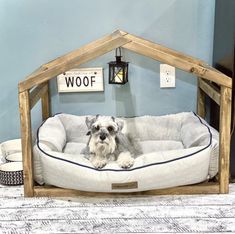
(130,169)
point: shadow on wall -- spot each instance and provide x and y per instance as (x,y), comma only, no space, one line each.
(125,100)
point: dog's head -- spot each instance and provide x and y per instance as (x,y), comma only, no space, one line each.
(103,131)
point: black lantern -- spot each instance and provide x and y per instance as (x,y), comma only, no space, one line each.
(118,70)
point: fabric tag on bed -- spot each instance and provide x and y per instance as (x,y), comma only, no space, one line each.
(129,185)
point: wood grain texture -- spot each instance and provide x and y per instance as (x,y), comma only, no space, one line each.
(36,94)
(163,49)
(81,50)
(45,102)
(26,139)
(201,99)
(224,144)
(176,59)
(210,90)
(203,188)
(74,59)
(73,54)
(131,42)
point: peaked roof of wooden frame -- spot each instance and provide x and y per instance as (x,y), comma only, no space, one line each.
(136,44)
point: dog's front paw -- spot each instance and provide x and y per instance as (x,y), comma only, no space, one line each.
(99,163)
(125,160)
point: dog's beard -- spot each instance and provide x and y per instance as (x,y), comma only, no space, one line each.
(102,148)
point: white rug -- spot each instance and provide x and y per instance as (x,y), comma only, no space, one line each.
(153,214)
(145,214)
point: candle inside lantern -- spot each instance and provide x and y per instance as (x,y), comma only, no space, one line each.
(119,76)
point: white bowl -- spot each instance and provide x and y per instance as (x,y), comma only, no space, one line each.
(11,147)
(16,157)
(11,173)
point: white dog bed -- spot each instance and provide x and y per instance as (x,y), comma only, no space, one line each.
(178,149)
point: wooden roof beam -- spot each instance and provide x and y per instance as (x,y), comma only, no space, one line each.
(133,43)
(162,48)
(74,59)
(176,59)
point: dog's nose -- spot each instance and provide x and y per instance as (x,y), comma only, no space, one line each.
(102,137)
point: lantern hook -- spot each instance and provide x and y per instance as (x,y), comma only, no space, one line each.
(120,52)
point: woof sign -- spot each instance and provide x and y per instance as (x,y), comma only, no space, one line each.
(81,80)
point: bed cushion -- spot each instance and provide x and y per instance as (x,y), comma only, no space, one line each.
(178,149)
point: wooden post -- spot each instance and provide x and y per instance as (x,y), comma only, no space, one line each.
(225,130)
(201,106)
(45,100)
(26,140)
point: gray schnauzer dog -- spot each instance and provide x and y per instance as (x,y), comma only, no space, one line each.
(108,143)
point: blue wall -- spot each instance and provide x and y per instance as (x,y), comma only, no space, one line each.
(35,32)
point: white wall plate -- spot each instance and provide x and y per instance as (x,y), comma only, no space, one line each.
(167,76)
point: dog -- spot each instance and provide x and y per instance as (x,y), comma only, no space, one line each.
(107,143)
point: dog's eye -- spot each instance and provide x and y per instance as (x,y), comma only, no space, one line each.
(110,128)
(97,128)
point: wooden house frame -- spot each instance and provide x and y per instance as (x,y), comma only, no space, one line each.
(36,87)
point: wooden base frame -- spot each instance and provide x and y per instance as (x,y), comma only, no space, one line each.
(205,188)
(36,87)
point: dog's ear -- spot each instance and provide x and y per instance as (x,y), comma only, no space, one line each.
(120,124)
(90,121)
